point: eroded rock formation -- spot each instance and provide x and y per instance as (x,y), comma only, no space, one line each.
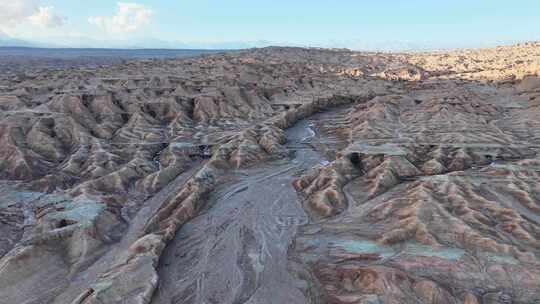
(427,191)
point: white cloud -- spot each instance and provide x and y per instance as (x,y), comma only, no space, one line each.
(130,17)
(47,17)
(14,13)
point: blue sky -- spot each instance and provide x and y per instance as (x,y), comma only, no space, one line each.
(344,23)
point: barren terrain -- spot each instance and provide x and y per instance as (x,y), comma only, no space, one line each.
(275,175)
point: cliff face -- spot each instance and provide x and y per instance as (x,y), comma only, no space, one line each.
(424,190)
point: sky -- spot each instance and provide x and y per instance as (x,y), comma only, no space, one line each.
(358,24)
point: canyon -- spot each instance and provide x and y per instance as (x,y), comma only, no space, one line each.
(273,175)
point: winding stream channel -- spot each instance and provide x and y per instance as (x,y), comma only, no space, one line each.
(237,250)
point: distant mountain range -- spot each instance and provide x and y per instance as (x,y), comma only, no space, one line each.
(6,40)
(149,43)
(153,43)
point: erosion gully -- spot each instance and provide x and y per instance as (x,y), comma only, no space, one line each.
(79,282)
(237,250)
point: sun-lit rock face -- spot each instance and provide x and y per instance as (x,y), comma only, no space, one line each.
(428,192)
(494,64)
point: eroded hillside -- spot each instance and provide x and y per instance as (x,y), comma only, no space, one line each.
(276,175)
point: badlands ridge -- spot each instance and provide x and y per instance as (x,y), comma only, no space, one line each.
(275,175)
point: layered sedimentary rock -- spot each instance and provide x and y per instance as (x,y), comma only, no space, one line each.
(428,191)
